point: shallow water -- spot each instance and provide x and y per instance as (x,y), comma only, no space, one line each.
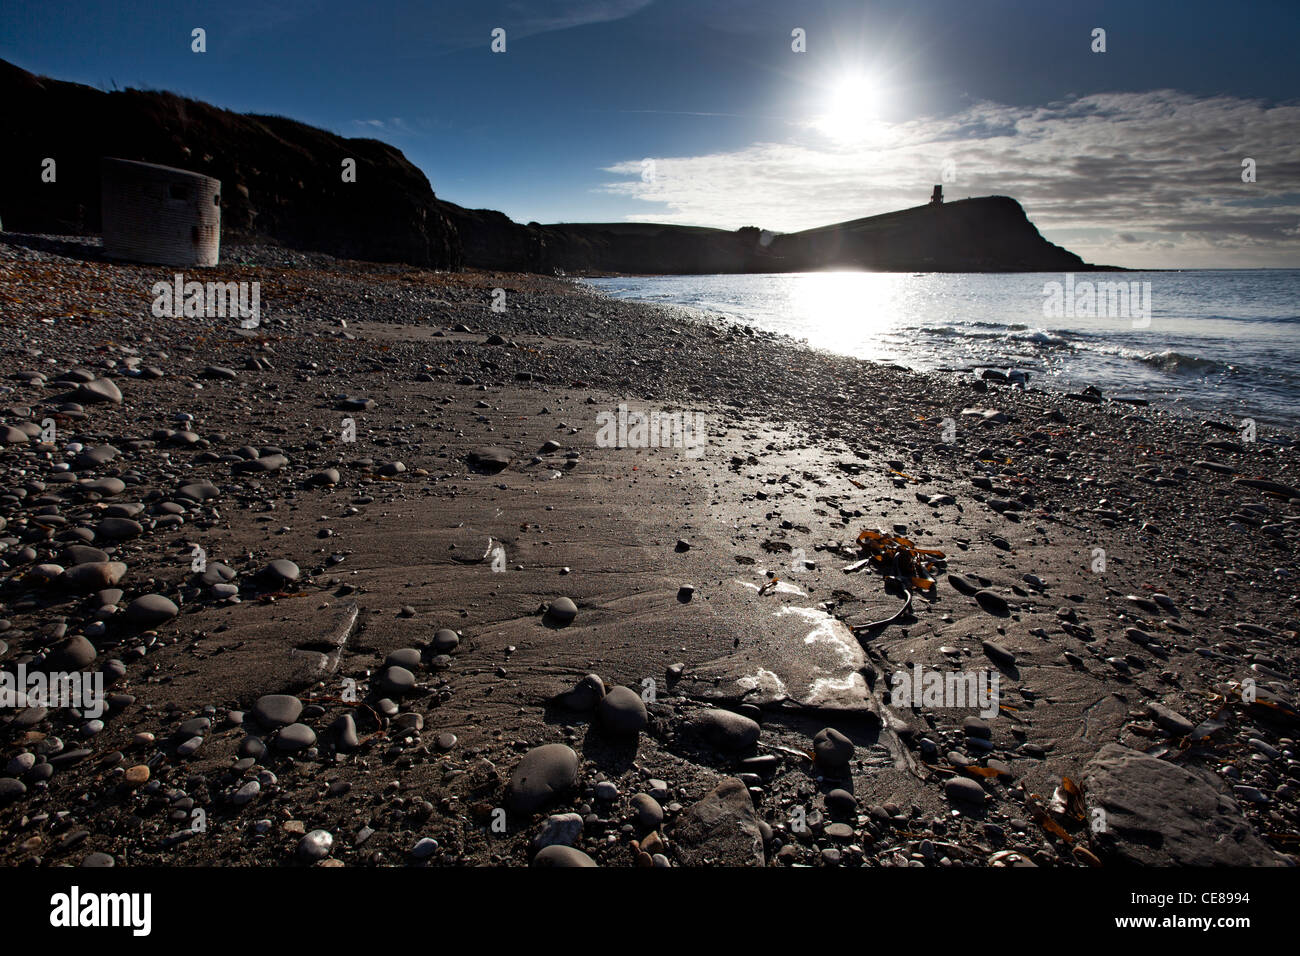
(1219,342)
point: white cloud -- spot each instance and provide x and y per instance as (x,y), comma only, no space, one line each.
(1162,168)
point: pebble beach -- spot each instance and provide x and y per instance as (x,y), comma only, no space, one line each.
(365,589)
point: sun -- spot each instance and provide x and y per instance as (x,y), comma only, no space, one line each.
(849,113)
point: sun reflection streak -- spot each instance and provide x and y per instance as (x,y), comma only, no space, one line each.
(850,312)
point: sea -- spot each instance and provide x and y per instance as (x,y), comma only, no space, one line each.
(1210,343)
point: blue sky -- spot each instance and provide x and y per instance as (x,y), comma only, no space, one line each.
(1131,156)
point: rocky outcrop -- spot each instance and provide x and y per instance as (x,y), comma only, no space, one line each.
(281,180)
(988,234)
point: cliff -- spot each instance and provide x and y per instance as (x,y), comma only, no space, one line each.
(281,180)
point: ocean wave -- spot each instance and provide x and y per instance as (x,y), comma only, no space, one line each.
(1004,333)
(1180,363)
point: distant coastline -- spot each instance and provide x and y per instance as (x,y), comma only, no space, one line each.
(281,185)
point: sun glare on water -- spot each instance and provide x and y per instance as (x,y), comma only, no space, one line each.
(849,312)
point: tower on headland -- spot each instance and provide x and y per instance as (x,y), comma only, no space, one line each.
(936,197)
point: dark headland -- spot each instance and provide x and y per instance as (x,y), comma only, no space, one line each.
(281,184)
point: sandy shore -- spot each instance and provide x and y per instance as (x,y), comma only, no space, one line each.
(1122,573)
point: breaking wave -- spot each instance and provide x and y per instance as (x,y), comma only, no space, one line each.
(1180,363)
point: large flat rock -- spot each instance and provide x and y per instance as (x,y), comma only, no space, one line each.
(721,829)
(1160,814)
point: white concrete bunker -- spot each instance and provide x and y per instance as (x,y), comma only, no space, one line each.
(160,214)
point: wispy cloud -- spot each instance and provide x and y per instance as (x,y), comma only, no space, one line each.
(471,26)
(547,16)
(1149,178)
(392,125)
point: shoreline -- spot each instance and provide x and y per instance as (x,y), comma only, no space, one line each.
(1281,426)
(805,450)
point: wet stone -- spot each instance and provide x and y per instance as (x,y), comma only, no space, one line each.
(407,657)
(649,814)
(94,576)
(998,654)
(725,730)
(295,737)
(315,846)
(151,610)
(82,554)
(832,748)
(721,828)
(963,790)
(561,612)
(841,802)
(74,654)
(623,712)
(542,774)
(199,491)
(277,710)
(445,640)
(118,529)
(104,487)
(20,764)
(1170,720)
(993,602)
(247,793)
(265,464)
(562,856)
(97,391)
(216,573)
(280,572)
(490,459)
(89,458)
(11,789)
(1162,814)
(345,733)
(606,790)
(963,584)
(397,680)
(561,829)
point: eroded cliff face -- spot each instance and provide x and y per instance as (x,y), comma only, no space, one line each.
(281,180)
